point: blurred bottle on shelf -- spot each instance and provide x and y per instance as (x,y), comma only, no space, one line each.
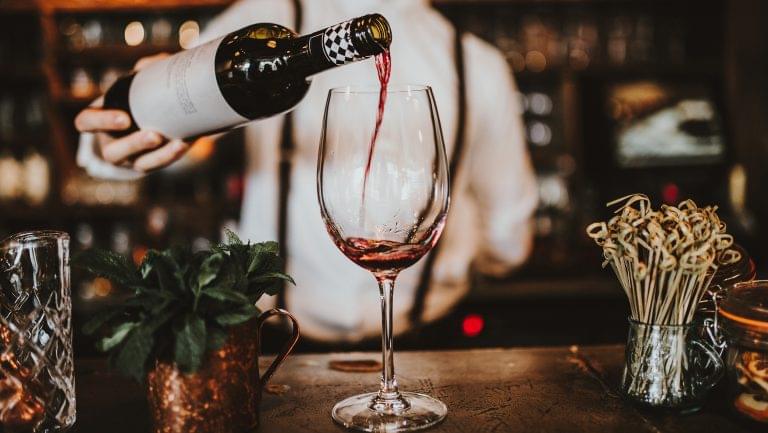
(93,33)
(82,84)
(619,29)
(541,42)
(120,239)
(25,171)
(73,34)
(84,237)
(538,103)
(11,174)
(553,191)
(11,168)
(134,33)
(539,133)
(33,115)
(157,227)
(537,110)
(189,33)
(582,41)
(534,41)
(37,176)
(641,43)
(161,32)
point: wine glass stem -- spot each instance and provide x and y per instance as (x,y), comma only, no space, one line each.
(388,389)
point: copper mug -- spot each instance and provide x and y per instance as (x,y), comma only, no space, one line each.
(225,393)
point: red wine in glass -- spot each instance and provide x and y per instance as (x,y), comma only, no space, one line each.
(380,256)
(384,71)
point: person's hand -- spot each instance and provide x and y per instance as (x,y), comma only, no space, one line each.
(141,150)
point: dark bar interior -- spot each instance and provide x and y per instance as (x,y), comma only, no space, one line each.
(664,98)
(580,66)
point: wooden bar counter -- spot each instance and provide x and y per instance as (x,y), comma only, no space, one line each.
(506,390)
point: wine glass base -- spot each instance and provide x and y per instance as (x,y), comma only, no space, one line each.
(420,411)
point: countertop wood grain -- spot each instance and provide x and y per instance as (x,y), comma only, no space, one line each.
(562,389)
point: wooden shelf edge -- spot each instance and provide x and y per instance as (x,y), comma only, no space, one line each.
(17,6)
(52,6)
(124,5)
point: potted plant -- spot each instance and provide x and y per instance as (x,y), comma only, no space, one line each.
(191,329)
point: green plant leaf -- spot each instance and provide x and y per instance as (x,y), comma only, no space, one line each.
(109,265)
(148,264)
(183,303)
(120,332)
(209,270)
(269,277)
(159,319)
(132,356)
(270,283)
(150,300)
(178,260)
(101,319)
(225,295)
(270,247)
(190,344)
(272,289)
(161,270)
(232,238)
(246,313)
(262,255)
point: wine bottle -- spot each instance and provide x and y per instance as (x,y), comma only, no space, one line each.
(253,73)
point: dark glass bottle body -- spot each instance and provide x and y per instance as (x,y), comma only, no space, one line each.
(260,71)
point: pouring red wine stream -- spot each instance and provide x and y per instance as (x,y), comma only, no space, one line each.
(384,71)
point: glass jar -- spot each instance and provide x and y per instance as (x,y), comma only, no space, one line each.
(744,314)
(668,367)
(707,320)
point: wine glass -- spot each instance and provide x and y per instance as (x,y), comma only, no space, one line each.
(384,205)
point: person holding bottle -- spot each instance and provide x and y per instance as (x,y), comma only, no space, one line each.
(494,190)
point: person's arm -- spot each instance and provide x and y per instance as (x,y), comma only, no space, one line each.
(502,180)
(135,154)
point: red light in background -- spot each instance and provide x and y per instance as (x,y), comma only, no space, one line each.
(670,193)
(472,325)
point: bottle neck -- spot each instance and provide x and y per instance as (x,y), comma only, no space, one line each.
(343,43)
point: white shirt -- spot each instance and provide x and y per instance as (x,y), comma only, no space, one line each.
(495,194)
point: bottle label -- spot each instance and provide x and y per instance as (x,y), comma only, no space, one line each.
(337,44)
(179,96)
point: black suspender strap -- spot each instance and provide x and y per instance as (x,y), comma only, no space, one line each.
(284,187)
(284,172)
(417,310)
(298,16)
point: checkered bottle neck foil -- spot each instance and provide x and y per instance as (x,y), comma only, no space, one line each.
(338,44)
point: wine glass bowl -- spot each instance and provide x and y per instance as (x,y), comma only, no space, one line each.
(398,212)
(384,203)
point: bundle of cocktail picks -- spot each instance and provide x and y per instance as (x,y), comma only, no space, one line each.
(665,258)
